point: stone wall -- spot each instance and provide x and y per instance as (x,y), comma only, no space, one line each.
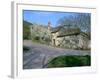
(71,42)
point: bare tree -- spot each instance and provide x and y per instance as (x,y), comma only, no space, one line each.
(81,20)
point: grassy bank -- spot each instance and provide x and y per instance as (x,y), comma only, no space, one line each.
(70,61)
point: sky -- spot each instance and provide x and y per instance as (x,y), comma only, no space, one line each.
(43,17)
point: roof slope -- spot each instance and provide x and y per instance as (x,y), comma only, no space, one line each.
(64,31)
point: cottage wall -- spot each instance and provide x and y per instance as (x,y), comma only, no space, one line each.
(73,41)
(84,42)
(54,39)
(70,42)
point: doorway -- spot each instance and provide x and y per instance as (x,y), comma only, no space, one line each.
(54,42)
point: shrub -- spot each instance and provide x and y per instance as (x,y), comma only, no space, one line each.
(70,61)
(26,48)
(37,38)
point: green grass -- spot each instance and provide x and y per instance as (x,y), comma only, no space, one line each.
(70,61)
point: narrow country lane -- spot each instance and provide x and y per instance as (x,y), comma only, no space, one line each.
(39,54)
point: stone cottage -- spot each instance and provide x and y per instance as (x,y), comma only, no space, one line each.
(71,38)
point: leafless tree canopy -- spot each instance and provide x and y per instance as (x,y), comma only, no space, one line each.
(81,20)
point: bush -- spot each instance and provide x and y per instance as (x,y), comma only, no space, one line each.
(37,38)
(26,30)
(26,48)
(70,61)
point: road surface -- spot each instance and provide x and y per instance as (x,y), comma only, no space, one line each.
(38,54)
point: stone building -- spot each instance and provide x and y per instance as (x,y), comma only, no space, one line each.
(71,38)
(62,36)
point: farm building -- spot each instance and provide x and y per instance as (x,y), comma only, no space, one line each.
(70,38)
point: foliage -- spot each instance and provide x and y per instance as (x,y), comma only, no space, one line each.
(70,61)
(26,30)
(40,34)
(25,48)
